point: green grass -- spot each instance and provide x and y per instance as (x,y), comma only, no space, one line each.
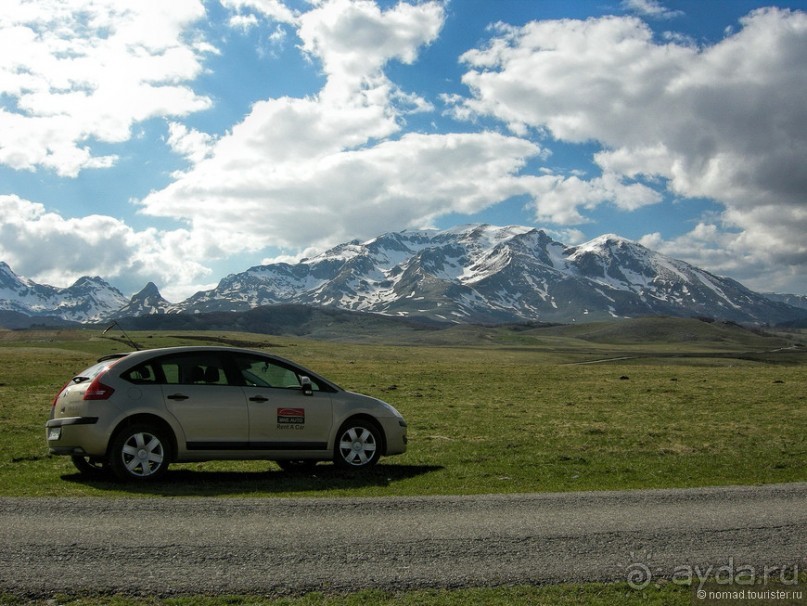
(662,593)
(492,418)
(596,594)
(490,411)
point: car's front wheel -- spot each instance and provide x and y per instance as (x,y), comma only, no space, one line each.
(140,453)
(358,445)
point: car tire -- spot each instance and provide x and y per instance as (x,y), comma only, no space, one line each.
(139,453)
(92,467)
(358,445)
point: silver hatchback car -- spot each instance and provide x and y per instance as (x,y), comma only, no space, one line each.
(136,413)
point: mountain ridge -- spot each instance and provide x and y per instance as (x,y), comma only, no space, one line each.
(467,274)
(88,299)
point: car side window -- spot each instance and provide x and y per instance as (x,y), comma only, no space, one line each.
(143,374)
(193,369)
(170,369)
(264,372)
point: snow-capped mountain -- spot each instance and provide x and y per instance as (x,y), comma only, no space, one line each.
(477,273)
(482,273)
(87,300)
(147,302)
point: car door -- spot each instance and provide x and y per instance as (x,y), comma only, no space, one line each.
(282,415)
(210,408)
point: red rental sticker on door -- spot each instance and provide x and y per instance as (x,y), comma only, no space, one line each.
(292,416)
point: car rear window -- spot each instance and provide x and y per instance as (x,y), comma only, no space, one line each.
(93,371)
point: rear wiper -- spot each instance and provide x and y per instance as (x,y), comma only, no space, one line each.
(78,380)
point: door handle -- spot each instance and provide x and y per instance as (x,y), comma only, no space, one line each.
(177,396)
(258,399)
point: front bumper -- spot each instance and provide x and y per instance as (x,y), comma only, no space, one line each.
(395,433)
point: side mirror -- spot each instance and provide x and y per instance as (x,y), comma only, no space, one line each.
(306,387)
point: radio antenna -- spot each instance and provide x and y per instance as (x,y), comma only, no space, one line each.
(125,336)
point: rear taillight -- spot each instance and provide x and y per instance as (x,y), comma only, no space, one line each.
(58,393)
(97,390)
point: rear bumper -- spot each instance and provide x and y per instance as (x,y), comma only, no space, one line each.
(75,436)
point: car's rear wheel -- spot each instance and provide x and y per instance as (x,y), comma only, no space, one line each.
(139,453)
(90,466)
(358,445)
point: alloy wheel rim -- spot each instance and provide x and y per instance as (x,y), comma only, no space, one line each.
(142,454)
(357,446)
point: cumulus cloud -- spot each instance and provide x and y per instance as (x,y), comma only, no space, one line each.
(347,194)
(92,245)
(766,266)
(354,39)
(562,200)
(298,172)
(88,74)
(192,144)
(725,122)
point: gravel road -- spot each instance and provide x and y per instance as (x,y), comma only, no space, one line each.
(168,546)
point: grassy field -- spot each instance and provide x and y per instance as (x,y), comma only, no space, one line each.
(595,594)
(593,407)
(497,417)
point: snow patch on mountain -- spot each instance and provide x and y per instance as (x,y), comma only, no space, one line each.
(89,299)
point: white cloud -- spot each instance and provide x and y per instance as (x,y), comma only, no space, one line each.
(247,12)
(344,194)
(89,72)
(192,144)
(94,245)
(568,236)
(726,122)
(243,22)
(650,8)
(560,200)
(354,39)
(308,172)
(769,265)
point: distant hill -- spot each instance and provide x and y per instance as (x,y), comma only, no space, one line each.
(650,337)
(678,332)
(293,320)
(16,320)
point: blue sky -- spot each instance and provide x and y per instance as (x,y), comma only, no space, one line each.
(178,142)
